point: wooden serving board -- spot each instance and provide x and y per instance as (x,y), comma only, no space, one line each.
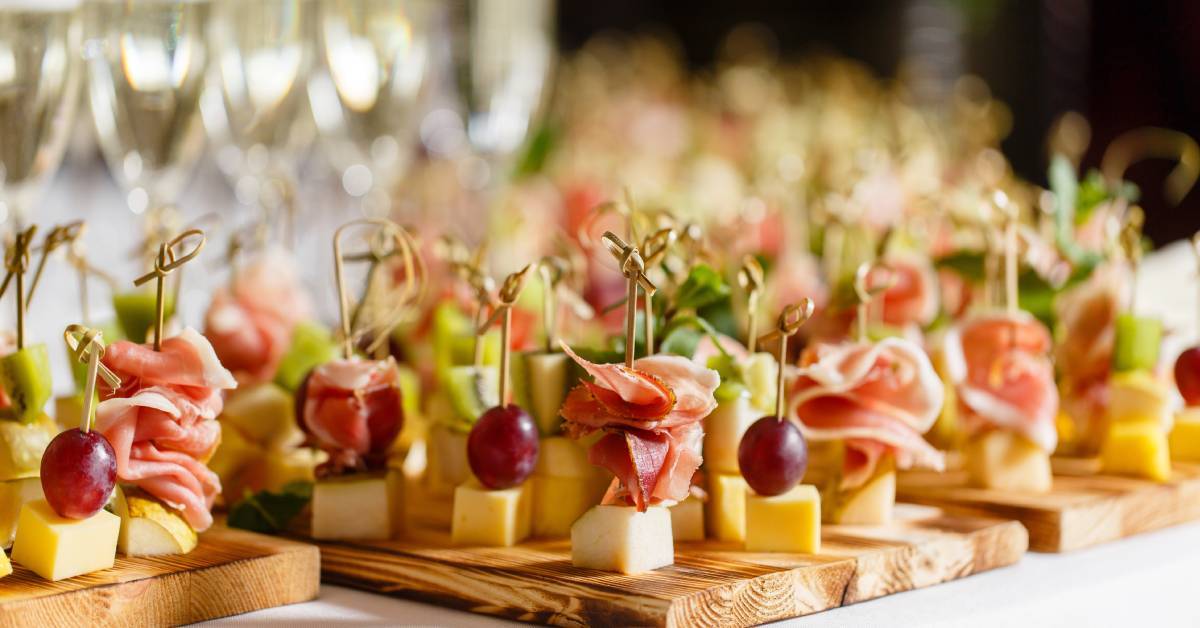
(709,584)
(1081,510)
(229,572)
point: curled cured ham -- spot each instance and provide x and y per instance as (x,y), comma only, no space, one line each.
(352,410)
(912,298)
(250,322)
(161,420)
(1000,366)
(878,398)
(651,417)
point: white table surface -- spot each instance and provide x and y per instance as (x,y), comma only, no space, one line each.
(1149,580)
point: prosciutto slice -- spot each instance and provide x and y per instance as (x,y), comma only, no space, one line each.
(651,414)
(1001,367)
(352,410)
(876,397)
(161,421)
(250,323)
(913,298)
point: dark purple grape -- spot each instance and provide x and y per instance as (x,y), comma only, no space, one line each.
(79,470)
(502,448)
(772,456)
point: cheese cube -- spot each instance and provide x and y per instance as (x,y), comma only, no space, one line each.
(56,547)
(352,507)
(67,411)
(13,495)
(873,502)
(723,431)
(5,565)
(448,467)
(1138,449)
(493,518)
(725,512)
(1137,395)
(561,457)
(1185,436)
(621,539)
(687,520)
(558,502)
(790,522)
(1006,461)
(264,414)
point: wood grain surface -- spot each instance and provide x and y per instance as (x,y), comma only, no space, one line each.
(229,572)
(1081,510)
(710,584)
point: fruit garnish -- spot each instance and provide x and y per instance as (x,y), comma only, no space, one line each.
(25,377)
(79,471)
(502,448)
(136,312)
(1187,375)
(312,344)
(1137,343)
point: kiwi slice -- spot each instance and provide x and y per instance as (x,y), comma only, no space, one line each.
(472,390)
(312,345)
(136,312)
(1137,343)
(25,376)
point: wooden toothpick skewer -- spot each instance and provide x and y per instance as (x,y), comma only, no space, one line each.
(551,270)
(791,319)
(413,274)
(750,278)
(867,293)
(87,345)
(58,236)
(633,267)
(654,250)
(510,291)
(1008,214)
(1131,242)
(167,261)
(18,263)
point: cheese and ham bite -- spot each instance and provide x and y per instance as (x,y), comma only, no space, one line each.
(352,410)
(1001,367)
(161,421)
(876,397)
(652,415)
(250,323)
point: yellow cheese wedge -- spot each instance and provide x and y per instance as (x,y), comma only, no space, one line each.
(492,518)
(149,528)
(1185,436)
(558,502)
(1137,395)
(264,414)
(56,547)
(448,467)
(790,522)
(5,565)
(352,507)
(621,539)
(13,495)
(725,512)
(687,520)
(723,431)
(873,502)
(1004,460)
(1138,449)
(561,457)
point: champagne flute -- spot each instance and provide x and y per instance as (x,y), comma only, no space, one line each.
(255,107)
(145,62)
(368,99)
(39,79)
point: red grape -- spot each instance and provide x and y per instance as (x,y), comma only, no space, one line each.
(502,448)
(772,456)
(1187,375)
(79,470)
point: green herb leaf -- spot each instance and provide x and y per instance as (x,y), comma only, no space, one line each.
(703,286)
(537,152)
(270,512)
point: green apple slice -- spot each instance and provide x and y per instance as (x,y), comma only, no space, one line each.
(1137,343)
(312,345)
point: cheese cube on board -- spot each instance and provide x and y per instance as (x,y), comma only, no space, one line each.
(621,539)
(448,467)
(56,547)
(790,522)
(13,495)
(873,502)
(492,518)
(558,502)
(561,457)
(1138,449)
(5,565)
(353,507)
(687,520)
(1137,395)
(723,431)
(1006,461)
(725,512)
(1185,436)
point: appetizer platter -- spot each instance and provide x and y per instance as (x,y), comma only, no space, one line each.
(115,514)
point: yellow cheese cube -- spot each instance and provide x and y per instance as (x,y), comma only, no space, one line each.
(56,547)
(1136,448)
(621,539)
(67,411)
(448,467)
(493,518)
(264,414)
(13,495)
(1004,460)
(790,522)
(873,502)
(723,431)
(725,512)
(561,457)
(5,565)
(558,502)
(233,455)
(1185,436)
(1137,395)
(687,520)
(352,507)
